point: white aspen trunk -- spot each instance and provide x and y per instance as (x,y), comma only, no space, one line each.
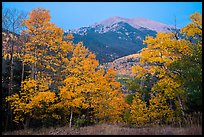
(181,106)
(70,120)
(35,70)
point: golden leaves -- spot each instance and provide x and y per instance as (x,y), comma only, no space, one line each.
(139,71)
(69,37)
(161,52)
(43,98)
(194,28)
(138,111)
(38,17)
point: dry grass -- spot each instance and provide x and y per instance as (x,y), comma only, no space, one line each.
(105,129)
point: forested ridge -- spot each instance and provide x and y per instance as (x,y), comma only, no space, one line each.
(47,80)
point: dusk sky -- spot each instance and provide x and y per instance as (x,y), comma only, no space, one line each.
(68,15)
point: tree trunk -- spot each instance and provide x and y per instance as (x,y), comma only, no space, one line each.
(22,75)
(27,121)
(9,115)
(11,75)
(35,69)
(11,70)
(181,106)
(171,106)
(70,120)
(8,118)
(32,71)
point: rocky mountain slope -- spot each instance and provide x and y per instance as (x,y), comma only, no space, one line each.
(123,65)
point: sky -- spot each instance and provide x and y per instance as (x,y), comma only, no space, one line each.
(69,15)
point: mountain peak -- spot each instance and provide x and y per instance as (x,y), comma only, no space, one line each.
(115,17)
(137,23)
(112,20)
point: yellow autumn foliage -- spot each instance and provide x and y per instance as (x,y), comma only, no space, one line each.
(139,111)
(161,52)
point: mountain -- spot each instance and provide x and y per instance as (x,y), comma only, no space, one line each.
(116,37)
(137,23)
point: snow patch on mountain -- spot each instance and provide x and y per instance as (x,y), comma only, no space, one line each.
(112,24)
(150,24)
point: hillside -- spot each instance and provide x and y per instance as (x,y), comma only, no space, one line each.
(123,65)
